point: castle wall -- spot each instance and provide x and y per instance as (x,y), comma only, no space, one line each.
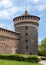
(8,42)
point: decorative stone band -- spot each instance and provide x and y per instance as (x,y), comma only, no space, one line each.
(15,25)
(27,25)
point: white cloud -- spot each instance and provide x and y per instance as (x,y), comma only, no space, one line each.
(40,7)
(7,8)
(36,1)
(39,40)
(11,9)
(6,3)
(33,1)
(6,26)
(9,12)
(6,13)
(2,25)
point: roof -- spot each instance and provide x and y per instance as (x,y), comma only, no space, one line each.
(26,13)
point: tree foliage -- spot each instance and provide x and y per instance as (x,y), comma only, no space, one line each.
(42,48)
(43,43)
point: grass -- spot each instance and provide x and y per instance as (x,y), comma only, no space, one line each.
(14,62)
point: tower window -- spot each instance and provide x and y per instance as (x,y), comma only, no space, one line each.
(16,50)
(26,40)
(26,47)
(26,34)
(19,39)
(26,27)
(30,53)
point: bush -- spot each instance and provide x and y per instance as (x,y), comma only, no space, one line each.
(34,58)
(42,52)
(21,57)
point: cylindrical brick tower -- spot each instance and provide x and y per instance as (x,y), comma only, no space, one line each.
(27,25)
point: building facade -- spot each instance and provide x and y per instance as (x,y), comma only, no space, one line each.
(25,40)
(8,41)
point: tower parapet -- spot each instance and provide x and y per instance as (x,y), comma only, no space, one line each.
(26,18)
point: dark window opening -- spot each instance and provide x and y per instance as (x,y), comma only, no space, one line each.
(26,47)
(26,34)
(16,50)
(30,53)
(19,39)
(26,40)
(22,17)
(25,17)
(26,27)
(4,43)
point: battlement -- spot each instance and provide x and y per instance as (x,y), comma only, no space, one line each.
(8,33)
(26,18)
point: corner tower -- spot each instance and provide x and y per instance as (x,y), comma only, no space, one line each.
(27,25)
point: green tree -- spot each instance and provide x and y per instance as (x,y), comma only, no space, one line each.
(43,43)
(42,48)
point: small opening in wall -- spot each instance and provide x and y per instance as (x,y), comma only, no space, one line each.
(4,43)
(16,50)
(25,17)
(26,47)
(26,34)
(26,27)
(19,39)
(30,53)
(26,40)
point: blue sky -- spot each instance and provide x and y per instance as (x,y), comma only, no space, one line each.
(12,8)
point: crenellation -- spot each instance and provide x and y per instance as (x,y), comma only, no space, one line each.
(7,32)
(28,18)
